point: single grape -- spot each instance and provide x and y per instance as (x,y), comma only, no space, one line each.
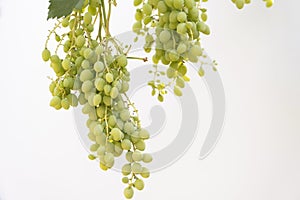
(128,192)
(46,55)
(139,184)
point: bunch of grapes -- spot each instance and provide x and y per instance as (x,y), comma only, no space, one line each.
(178,26)
(92,72)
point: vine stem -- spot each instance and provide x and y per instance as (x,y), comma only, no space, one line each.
(134,110)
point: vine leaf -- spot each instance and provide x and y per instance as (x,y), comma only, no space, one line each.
(62,8)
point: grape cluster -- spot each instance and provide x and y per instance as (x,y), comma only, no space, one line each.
(178,26)
(93,72)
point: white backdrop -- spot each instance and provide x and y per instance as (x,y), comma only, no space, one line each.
(257,158)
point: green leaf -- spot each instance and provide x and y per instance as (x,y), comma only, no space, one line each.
(62,8)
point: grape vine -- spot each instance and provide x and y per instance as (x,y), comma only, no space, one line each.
(91,70)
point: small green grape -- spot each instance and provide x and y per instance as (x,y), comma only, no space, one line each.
(46,55)
(139,184)
(128,192)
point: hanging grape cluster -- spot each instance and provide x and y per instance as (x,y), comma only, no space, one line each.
(90,69)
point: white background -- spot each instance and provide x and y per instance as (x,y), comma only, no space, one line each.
(258,49)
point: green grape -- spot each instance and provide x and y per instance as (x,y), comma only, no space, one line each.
(85,64)
(114,93)
(55,101)
(125,115)
(182,17)
(68,82)
(196,50)
(88,53)
(137,2)
(94,147)
(72,99)
(147,158)
(139,184)
(99,84)
(125,87)
(107,89)
(204,16)
(164,36)
(201,72)
(52,86)
(116,134)
(97,99)
(144,134)
(128,156)
(137,26)
(101,140)
(240,3)
(65,22)
(107,100)
(109,77)
(177,91)
(126,169)
(86,75)
(87,86)
(147,9)
(80,41)
(125,180)
(182,70)
(92,10)
(87,18)
(178,4)
(128,192)
(99,50)
(91,157)
(138,15)
(66,64)
(181,28)
(101,150)
(109,158)
(126,144)
(137,156)
(98,129)
(189,3)
(46,54)
(145,173)
(136,168)
(169,3)
(180,82)
(99,66)
(194,14)
(140,145)
(162,7)
(122,60)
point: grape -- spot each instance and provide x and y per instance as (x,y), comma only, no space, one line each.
(87,86)
(88,53)
(46,54)
(137,26)
(145,173)
(138,15)
(99,66)
(126,144)
(182,17)
(80,41)
(116,134)
(178,4)
(65,22)
(87,18)
(122,60)
(86,75)
(107,89)
(189,3)
(162,7)
(139,184)
(147,9)
(181,28)
(112,120)
(240,3)
(140,145)
(147,158)
(128,192)
(136,168)
(114,92)
(94,147)
(177,91)
(125,180)
(137,2)
(164,36)
(107,100)
(109,77)
(126,169)
(125,115)
(97,99)
(144,134)
(99,84)
(137,156)
(66,64)
(55,101)
(129,156)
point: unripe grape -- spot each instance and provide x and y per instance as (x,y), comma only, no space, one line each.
(204,16)
(94,147)
(91,157)
(182,17)
(103,167)
(180,82)
(122,60)
(178,4)
(55,101)
(92,10)
(109,77)
(144,134)
(137,26)
(66,64)
(80,41)
(145,173)
(125,115)
(177,91)
(126,144)
(162,7)
(137,2)
(116,134)
(147,9)
(138,15)
(65,22)
(126,169)
(101,150)
(189,3)
(86,75)
(107,100)
(97,99)
(99,84)
(147,158)
(99,50)
(181,28)
(129,156)
(107,89)
(87,18)
(85,64)
(140,145)
(125,180)
(164,36)
(139,184)
(46,55)
(240,3)
(137,156)
(128,192)
(87,86)
(88,53)
(136,168)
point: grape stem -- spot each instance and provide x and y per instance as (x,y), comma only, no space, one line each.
(51,32)
(138,58)
(134,110)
